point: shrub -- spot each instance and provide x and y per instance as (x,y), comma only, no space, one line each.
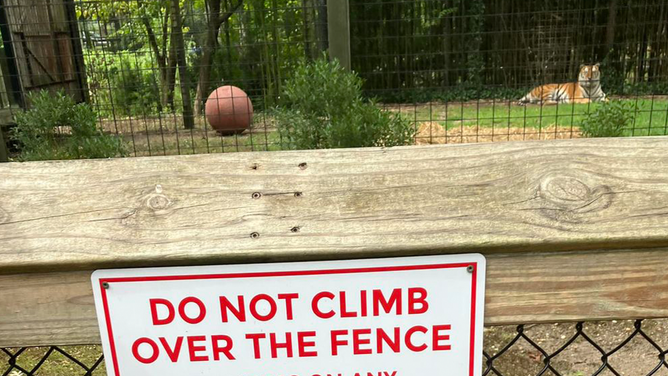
(322,107)
(609,120)
(57,128)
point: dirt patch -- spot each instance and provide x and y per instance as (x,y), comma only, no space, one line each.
(637,357)
(434,133)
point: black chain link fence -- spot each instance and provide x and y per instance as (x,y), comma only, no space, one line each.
(633,348)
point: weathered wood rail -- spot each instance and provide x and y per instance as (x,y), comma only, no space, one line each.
(573,230)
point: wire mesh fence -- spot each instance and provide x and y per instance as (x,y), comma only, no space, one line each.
(596,348)
(456,71)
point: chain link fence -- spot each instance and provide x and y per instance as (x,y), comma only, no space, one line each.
(633,348)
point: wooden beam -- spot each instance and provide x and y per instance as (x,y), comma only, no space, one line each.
(338,27)
(57,308)
(325,204)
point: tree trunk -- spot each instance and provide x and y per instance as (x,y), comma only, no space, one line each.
(305,21)
(210,45)
(655,49)
(170,82)
(166,64)
(321,26)
(612,25)
(179,46)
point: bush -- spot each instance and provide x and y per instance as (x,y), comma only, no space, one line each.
(58,128)
(609,120)
(322,107)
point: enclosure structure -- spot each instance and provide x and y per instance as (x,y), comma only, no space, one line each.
(454,69)
(572,231)
(42,48)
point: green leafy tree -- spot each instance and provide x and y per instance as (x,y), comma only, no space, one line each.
(147,25)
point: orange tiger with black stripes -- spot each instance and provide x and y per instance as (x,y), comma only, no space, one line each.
(586,90)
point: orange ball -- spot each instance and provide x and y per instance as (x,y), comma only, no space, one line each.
(228,110)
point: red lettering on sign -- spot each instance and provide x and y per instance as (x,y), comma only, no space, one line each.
(288,303)
(200,305)
(192,349)
(358,340)
(363,308)
(342,305)
(225,349)
(420,299)
(154,311)
(379,300)
(437,337)
(275,345)
(154,349)
(272,307)
(239,312)
(173,354)
(409,341)
(303,344)
(382,337)
(336,342)
(255,337)
(315,307)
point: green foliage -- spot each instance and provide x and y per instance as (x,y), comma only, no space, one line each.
(123,84)
(609,120)
(134,85)
(323,108)
(58,128)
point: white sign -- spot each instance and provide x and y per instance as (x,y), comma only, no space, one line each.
(411,316)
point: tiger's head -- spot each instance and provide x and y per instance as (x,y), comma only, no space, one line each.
(590,74)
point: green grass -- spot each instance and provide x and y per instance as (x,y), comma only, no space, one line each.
(57,364)
(651,116)
(165,136)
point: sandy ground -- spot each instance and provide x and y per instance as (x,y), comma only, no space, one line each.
(434,133)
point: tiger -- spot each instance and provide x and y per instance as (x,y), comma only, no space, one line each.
(586,90)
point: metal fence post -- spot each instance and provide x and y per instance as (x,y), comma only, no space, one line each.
(338,27)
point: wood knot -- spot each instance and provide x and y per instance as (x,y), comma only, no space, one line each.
(158,202)
(567,197)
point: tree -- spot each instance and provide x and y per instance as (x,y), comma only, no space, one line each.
(165,60)
(179,47)
(216,17)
